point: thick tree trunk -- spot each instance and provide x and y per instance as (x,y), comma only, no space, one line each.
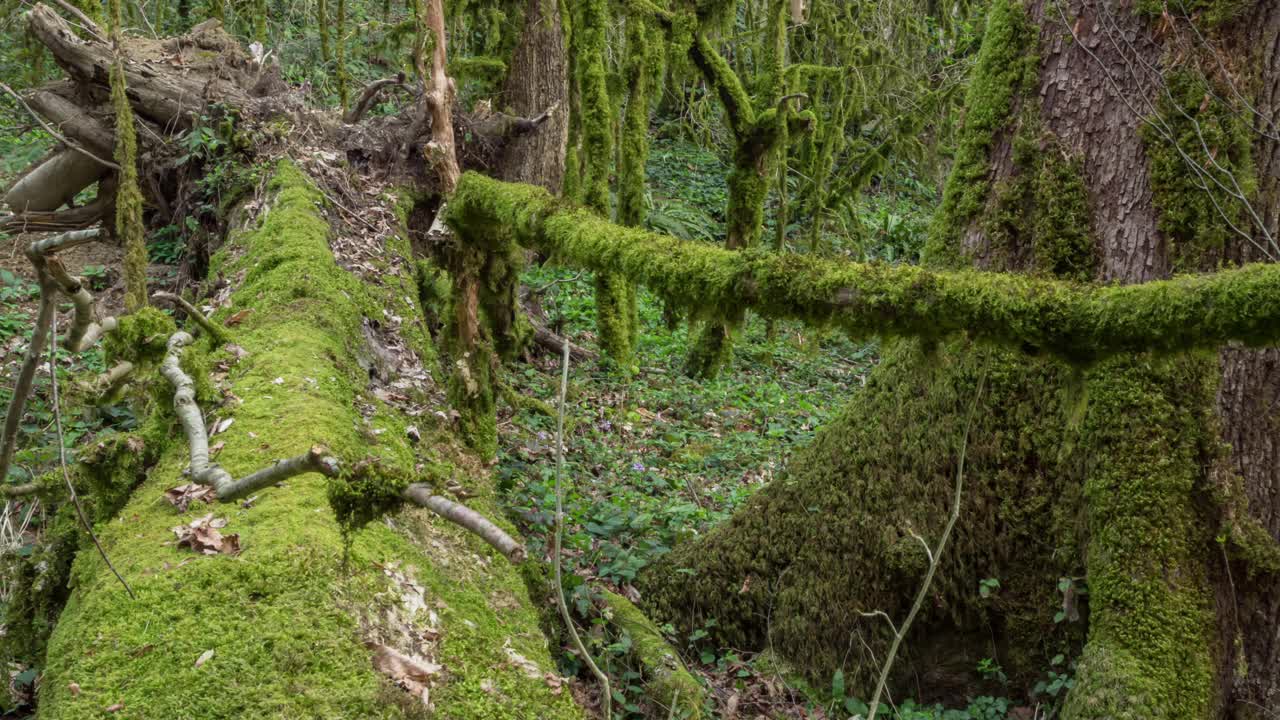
(1104,476)
(301,621)
(539,79)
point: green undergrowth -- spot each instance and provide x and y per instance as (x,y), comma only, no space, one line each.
(659,458)
(285,618)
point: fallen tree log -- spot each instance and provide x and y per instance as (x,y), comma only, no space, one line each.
(285,628)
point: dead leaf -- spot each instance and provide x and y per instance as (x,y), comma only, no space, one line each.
(203,536)
(412,673)
(216,448)
(114,708)
(554,681)
(74,689)
(222,425)
(529,667)
(205,657)
(237,318)
(182,496)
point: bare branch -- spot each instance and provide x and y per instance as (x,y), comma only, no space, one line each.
(66,476)
(47,128)
(84,332)
(216,332)
(420,494)
(367,96)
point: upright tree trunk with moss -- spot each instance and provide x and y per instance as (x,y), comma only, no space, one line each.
(129,226)
(615,297)
(340,55)
(1076,161)
(322,21)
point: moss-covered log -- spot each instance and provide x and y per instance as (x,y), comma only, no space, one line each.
(282,627)
(1080,323)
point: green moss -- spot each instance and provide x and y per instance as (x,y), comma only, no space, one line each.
(1197,204)
(1039,217)
(365,491)
(128,200)
(778,575)
(1080,323)
(141,338)
(666,680)
(286,617)
(1007,67)
(1152,651)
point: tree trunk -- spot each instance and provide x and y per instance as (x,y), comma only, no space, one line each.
(1112,479)
(301,621)
(539,79)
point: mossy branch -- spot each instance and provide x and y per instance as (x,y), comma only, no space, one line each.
(1079,323)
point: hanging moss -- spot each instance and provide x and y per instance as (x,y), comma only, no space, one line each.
(1081,323)
(1197,207)
(365,491)
(1007,67)
(129,226)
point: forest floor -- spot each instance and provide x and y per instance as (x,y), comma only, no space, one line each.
(659,456)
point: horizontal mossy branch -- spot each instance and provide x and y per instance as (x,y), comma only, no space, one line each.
(1078,323)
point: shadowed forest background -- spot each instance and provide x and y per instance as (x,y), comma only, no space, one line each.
(640,359)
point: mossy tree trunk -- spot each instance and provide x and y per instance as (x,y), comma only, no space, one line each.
(1076,162)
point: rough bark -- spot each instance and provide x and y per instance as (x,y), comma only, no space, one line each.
(539,79)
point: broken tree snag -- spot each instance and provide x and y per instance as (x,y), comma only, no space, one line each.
(1079,323)
(421,495)
(438,94)
(36,253)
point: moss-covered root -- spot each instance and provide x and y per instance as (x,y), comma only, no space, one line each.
(1151,651)
(667,682)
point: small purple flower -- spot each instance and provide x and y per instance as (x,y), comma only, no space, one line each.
(637,466)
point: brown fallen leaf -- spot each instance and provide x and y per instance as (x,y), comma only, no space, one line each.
(205,657)
(412,673)
(182,496)
(203,536)
(74,689)
(237,318)
(114,708)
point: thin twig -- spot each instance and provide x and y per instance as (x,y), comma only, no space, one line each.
(191,311)
(559,531)
(463,516)
(93,27)
(62,461)
(49,129)
(935,559)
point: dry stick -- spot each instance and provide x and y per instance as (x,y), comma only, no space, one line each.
(88,23)
(935,557)
(49,129)
(420,494)
(559,531)
(204,472)
(22,386)
(62,462)
(105,385)
(84,332)
(192,313)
